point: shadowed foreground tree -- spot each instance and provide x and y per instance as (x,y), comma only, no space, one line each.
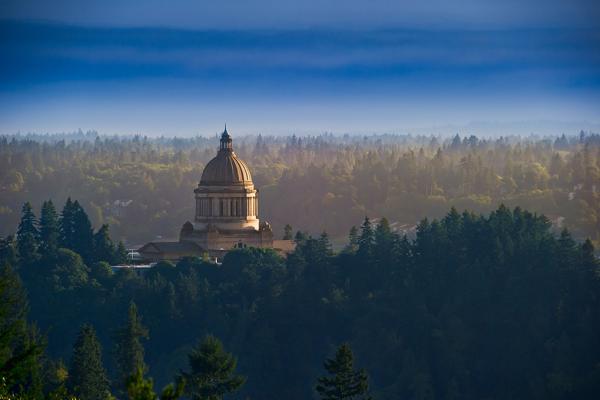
(20,347)
(129,351)
(212,371)
(87,377)
(140,388)
(343,382)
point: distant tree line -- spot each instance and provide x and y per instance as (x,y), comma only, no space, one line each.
(494,306)
(142,187)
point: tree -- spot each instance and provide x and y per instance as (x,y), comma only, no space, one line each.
(120,256)
(84,235)
(27,235)
(140,388)
(366,239)
(20,345)
(104,248)
(67,225)
(212,371)
(287,232)
(352,240)
(87,377)
(343,382)
(49,229)
(76,230)
(129,351)
(69,271)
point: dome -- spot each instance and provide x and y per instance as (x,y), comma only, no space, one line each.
(226,168)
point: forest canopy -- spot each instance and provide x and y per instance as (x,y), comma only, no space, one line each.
(143,187)
(475,306)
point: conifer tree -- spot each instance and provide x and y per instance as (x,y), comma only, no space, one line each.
(104,248)
(287,232)
(20,345)
(67,225)
(352,240)
(140,388)
(129,351)
(366,239)
(212,371)
(343,381)
(87,376)
(49,229)
(8,252)
(84,234)
(120,256)
(27,235)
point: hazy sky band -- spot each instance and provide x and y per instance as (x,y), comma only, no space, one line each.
(94,68)
(284,14)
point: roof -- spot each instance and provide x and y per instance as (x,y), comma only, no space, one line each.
(226,168)
(170,247)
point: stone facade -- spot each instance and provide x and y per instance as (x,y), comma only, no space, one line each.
(226,214)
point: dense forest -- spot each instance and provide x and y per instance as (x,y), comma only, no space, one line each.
(476,306)
(143,187)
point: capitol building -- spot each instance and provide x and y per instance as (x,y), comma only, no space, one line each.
(226,214)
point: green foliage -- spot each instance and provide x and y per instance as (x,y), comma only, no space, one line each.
(69,271)
(49,229)
(27,236)
(138,185)
(287,232)
(472,306)
(211,373)
(140,388)
(129,350)
(20,345)
(87,376)
(343,381)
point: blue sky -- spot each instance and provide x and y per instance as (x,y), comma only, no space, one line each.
(183,67)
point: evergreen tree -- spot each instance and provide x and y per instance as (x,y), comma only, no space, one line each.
(212,371)
(300,237)
(67,225)
(83,243)
(287,232)
(20,345)
(343,381)
(27,235)
(352,240)
(87,377)
(49,229)
(129,351)
(120,256)
(104,248)
(366,239)
(140,388)
(8,253)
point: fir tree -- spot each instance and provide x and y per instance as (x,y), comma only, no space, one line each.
(27,235)
(67,225)
(84,235)
(8,253)
(140,388)
(87,377)
(212,371)
(366,239)
(129,351)
(49,229)
(343,381)
(352,240)
(20,345)
(120,256)
(104,248)
(287,232)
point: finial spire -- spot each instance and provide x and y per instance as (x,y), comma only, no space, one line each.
(226,140)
